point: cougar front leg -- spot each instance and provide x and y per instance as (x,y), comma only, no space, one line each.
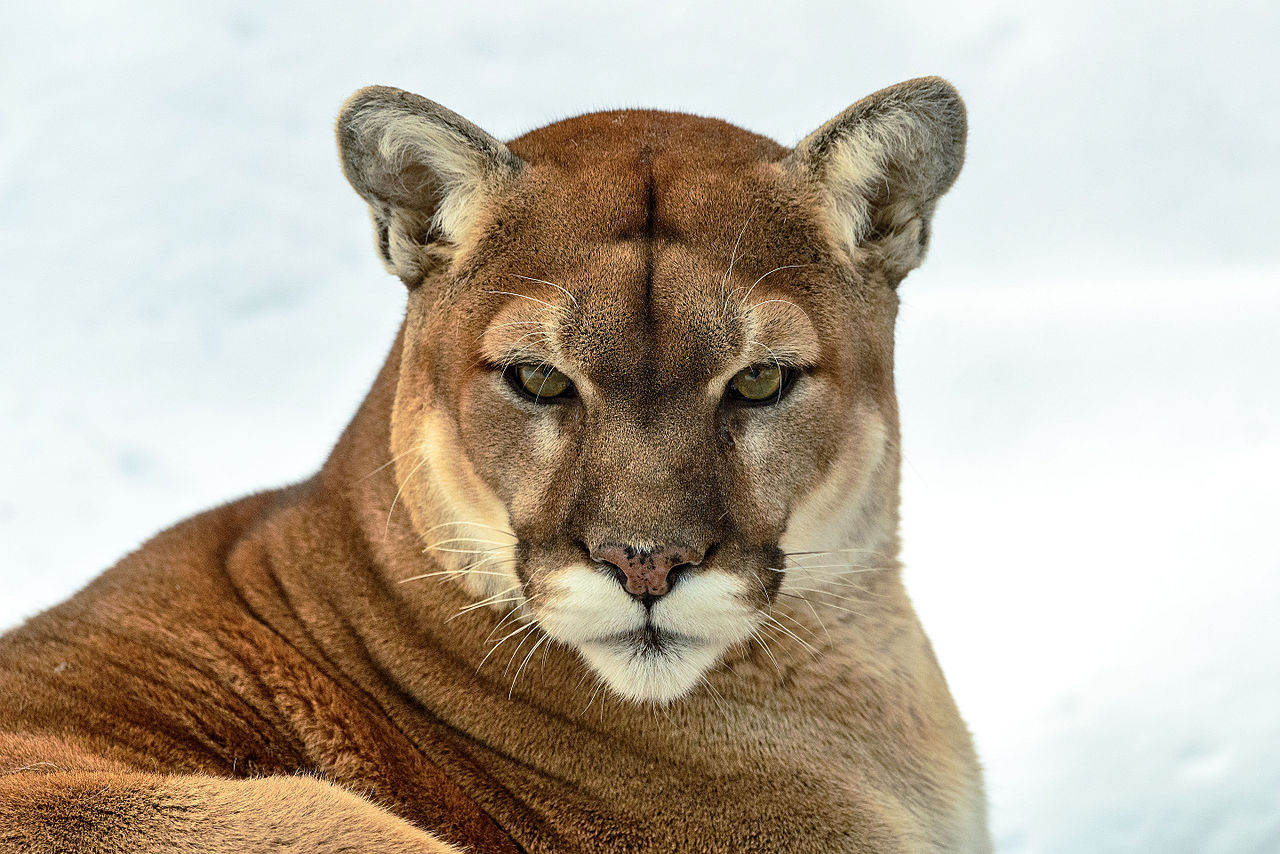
(126,813)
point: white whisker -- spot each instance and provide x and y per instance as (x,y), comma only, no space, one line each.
(764,645)
(531,299)
(812,610)
(523,628)
(545,637)
(552,284)
(514,612)
(827,604)
(466,551)
(747,295)
(457,573)
(788,631)
(384,465)
(470,540)
(733,257)
(392,509)
(475,524)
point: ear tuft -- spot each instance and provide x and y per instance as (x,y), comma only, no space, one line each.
(883,164)
(424,170)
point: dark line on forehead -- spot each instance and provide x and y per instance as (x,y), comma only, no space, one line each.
(650,227)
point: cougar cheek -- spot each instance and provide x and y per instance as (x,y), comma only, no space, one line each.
(579,605)
(712,607)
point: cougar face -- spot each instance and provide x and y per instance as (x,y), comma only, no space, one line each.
(645,359)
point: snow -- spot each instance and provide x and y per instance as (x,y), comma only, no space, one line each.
(192,309)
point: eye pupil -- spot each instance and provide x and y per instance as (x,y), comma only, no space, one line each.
(758,383)
(541,382)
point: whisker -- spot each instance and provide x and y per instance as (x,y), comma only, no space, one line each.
(514,612)
(539,334)
(523,628)
(794,620)
(718,698)
(392,509)
(733,257)
(476,524)
(812,610)
(825,584)
(857,593)
(747,295)
(837,551)
(592,698)
(447,550)
(764,645)
(829,581)
(845,569)
(384,465)
(470,540)
(529,298)
(519,646)
(842,565)
(552,284)
(518,323)
(788,631)
(490,600)
(838,607)
(484,602)
(496,558)
(453,572)
(545,637)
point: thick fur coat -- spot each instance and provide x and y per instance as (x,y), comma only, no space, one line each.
(461,633)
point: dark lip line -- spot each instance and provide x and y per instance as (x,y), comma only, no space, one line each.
(649,638)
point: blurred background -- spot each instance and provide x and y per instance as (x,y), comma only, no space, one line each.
(1088,363)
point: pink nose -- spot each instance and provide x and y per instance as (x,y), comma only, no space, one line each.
(647,573)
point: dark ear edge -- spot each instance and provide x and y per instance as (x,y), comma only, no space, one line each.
(423,169)
(882,165)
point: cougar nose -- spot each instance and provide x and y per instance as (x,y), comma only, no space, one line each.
(646,574)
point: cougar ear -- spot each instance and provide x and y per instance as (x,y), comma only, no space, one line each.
(424,170)
(882,165)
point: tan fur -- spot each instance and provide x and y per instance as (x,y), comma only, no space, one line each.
(414,649)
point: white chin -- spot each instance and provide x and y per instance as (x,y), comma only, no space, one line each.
(645,672)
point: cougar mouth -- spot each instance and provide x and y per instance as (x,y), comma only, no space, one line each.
(648,652)
(649,642)
(652,639)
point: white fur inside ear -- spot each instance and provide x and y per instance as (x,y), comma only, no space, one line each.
(857,176)
(882,165)
(423,169)
(408,142)
(461,170)
(852,172)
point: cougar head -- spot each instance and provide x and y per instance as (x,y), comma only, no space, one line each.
(647,356)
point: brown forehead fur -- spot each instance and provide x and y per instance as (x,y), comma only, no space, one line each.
(271,638)
(617,240)
(658,224)
(638,238)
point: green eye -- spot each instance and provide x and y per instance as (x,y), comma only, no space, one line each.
(539,382)
(759,383)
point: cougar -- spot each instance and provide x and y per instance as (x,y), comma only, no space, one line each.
(607,559)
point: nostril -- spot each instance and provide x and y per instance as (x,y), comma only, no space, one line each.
(612,569)
(646,573)
(678,572)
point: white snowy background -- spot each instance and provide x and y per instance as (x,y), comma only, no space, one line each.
(190,308)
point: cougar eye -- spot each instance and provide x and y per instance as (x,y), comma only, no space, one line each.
(539,383)
(760,384)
